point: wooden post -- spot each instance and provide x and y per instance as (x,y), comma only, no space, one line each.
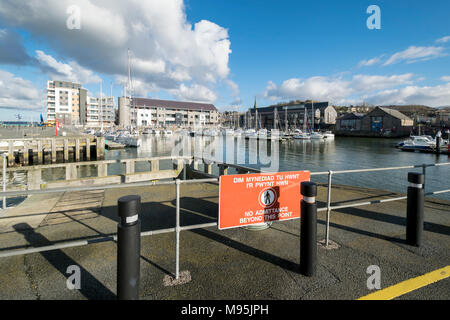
(102,170)
(11,153)
(208,168)
(26,155)
(223,169)
(66,150)
(34,179)
(178,165)
(100,148)
(53,150)
(71,172)
(40,152)
(77,150)
(155,165)
(129,166)
(88,149)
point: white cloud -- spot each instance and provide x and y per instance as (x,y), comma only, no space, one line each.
(17,93)
(445,78)
(71,71)
(370,62)
(168,50)
(443,40)
(433,96)
(369,83)
(195,92)
(336,90)
(415,54)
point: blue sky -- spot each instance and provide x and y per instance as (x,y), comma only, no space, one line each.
(228,52)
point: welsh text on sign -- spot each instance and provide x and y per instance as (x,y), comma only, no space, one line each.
(256,198)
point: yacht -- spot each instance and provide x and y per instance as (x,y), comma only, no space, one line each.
(316,136)
(302,136)
(229,132)
(128,139)
(418,143)
(251,133)
(167,132)
(156,132)
(428,138)
(262,133)
(328,135)
(110,136)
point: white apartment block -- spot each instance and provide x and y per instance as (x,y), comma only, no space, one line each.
(144,112)
(97,110)
(63,102)
(70,104)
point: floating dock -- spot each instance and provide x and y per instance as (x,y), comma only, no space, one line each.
(111,145)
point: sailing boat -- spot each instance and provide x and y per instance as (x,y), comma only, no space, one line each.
(314,135)
(127,138)
(303,135)
(275,132)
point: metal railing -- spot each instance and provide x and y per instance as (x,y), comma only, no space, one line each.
(177,229)
(330,173)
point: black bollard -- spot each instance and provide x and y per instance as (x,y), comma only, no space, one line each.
(308,229)
(414,209)
(128,248)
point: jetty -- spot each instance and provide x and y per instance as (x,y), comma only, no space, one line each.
(38,151)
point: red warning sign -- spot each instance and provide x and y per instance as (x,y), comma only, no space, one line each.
(247,199)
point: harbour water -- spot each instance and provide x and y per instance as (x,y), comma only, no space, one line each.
(343,153)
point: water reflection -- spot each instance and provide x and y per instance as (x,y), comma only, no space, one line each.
(314,155)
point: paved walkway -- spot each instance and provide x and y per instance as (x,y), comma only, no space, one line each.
(229,264)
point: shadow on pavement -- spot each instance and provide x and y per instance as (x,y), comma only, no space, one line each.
(91,288)
(283,263)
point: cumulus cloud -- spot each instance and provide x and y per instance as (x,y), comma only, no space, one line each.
(337,90)
(168,50)
(195,92)
(433,96)
(71,71)
(414,54)
(17,93)
(445,78)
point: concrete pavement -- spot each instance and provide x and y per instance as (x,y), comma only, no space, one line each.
(229,264)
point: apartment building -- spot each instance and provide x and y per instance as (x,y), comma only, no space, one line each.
(96,110)
(63,102)
(71,104)
(143,112)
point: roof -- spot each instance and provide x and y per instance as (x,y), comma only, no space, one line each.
(351,116)
(395,113)
(300,107)
(169,104)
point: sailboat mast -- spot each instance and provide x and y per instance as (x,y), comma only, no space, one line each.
(312,116)
(285,120)
(129,89)
(101,107)
(304,118)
